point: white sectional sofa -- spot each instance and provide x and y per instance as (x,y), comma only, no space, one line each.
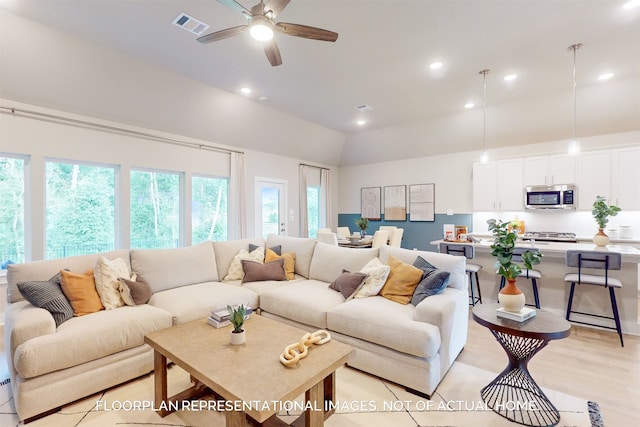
(411,345)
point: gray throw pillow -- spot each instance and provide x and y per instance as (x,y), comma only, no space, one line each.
(255,271)
(276,249)
(432,283)
(136,292)
(48,295)
(348,283)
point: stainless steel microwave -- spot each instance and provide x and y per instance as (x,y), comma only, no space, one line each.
(559,196)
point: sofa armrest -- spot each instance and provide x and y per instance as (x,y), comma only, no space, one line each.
(23,322)
(449,311)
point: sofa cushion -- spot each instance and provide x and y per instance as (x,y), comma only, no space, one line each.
(48,295)
(171,268)
(432,283)
(106,273)
(255,271)
(226,250)
(329,261)
(386,323)
(134,292)
(453,264)
(377,274)
(289,261)
(305,302)
(83,339)
(348,283)
(236,272)
(401,282)
(303,248)
(197,301)
(80,290)
(43,270)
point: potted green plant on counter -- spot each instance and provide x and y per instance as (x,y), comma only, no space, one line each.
(601,212)
(237,316)
(362,224)
(510,297)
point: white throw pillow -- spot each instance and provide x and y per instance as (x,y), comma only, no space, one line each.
(106,273)
(378,273)
(235,269)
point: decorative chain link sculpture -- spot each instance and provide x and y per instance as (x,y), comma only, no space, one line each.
(296,351)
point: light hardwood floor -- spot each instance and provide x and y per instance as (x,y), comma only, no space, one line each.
(589,364)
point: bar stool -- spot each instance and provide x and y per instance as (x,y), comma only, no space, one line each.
(467,251)
(601,261)
(534,275)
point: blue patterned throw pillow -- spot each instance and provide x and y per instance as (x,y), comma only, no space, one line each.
(48,295)
(432,283)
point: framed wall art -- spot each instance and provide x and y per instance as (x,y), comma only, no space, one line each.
(395,203)
(370,203)
(422,202)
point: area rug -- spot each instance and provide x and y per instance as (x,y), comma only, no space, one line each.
(361,400)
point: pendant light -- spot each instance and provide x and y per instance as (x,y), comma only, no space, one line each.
(574,145)
(484,156)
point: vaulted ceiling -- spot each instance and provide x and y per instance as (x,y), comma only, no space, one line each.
(381,59)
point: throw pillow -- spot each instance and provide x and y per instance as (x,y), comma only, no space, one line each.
(276,249)
(106,273)
(80,290)
(348,283)
(289,261)
(48,295)
(433,281)
(377,274)
(256,271)
(402,281)
(134,292)
(235,269)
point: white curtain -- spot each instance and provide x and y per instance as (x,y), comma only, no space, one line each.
(302,190)
(325,188)
(237,198)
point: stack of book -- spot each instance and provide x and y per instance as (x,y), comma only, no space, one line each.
(521,316)
(219,318)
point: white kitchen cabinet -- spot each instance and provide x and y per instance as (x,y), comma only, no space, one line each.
(594,178)
(497,186)
(625,178)
(548,170)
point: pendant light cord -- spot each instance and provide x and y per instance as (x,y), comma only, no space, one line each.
(574,47)
(484,109)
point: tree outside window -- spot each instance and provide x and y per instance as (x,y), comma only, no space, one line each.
(209,198)
(313,210)
(11,210)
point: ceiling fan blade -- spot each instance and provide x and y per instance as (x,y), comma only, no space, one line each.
(235,6)
(275,6)
(306,32)
(272,52)
(222,34)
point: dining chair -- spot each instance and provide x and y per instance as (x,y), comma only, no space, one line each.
(343,232)
(396,237)
(327,237)
(380,238)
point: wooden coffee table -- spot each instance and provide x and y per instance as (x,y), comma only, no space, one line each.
(249,377)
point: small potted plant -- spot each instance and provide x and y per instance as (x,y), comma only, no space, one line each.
(237,316)
(601,212)
(362,224)
(510,297)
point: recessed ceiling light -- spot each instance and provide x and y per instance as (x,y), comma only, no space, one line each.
(631,4)
(606,76)
(245,90)
(510,77)
(361,122)
(435,65)
(469,105)
(263,98)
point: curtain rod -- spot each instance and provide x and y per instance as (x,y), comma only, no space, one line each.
(14,111)
(313,166)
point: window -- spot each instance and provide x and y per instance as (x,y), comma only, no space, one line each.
(80,209)
(313,210)
(155,209)
(11,210)
(208,208)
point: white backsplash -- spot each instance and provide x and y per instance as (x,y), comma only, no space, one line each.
(579,222)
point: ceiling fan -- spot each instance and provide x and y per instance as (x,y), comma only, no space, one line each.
(261,26)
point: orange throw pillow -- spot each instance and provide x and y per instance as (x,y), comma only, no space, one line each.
(289,262)
(402,281)
(80,290)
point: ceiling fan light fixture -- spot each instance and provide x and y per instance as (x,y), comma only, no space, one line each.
(261,29)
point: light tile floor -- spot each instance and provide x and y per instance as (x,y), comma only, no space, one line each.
(363,400)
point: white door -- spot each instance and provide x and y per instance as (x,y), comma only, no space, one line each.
(271,207)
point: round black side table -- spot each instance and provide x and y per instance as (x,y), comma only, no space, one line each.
(514,394)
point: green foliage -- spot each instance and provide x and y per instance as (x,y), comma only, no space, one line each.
(601,211)
(209,211)
(362,223)
(502,249)
(12,209)
(237,316)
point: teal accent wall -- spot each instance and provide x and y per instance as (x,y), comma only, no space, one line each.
(417,234)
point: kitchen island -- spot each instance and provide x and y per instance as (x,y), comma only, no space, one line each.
(554,292)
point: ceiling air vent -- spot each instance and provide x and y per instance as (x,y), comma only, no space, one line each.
(364,108)
(190,24)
